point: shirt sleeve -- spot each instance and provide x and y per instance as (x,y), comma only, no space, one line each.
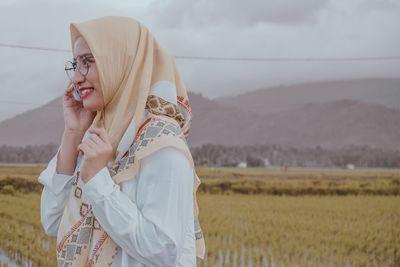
(151,226)
(54,196)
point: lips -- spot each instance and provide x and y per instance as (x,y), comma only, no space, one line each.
(85,91)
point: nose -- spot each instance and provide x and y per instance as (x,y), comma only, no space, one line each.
(78,77)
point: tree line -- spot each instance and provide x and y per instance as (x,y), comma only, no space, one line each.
(250,156)
(276,155)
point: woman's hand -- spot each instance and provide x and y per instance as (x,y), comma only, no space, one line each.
(77,119)
(96,150)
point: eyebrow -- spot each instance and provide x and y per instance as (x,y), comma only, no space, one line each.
(84,55)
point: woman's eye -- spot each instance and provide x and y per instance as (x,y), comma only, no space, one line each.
(87,60)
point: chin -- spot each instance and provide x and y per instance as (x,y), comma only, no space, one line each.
(89,107)
(92,106)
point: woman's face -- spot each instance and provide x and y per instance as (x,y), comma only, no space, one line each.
(86,77)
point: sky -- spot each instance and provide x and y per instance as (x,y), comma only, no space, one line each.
(205,28)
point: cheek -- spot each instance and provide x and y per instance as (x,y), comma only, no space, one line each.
(99,93)
(93,78)
(101,98)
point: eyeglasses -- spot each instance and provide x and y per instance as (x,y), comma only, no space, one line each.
(82,63)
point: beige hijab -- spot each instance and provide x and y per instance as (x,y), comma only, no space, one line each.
(130,62)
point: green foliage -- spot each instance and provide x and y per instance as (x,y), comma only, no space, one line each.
(276,155)
(27,154)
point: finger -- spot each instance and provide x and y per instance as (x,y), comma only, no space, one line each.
(69,88)
(96,139)
(68,92)
(101,132)
(85,149)
(80,149)
(92,145)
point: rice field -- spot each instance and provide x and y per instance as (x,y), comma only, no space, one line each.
(301,231)
(248,228)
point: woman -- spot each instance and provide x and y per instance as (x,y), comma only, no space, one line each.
(121,189)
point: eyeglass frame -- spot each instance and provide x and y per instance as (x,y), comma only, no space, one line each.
(74,64)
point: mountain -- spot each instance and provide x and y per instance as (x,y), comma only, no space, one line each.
(214,123)
(45,124)
(383,91)
(333,122)
(336,124)
(41,125)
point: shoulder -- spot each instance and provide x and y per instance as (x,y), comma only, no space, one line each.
(157,126)
(166,158)
(163,172)
(157,134)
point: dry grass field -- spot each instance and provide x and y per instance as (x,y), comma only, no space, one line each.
(250,217)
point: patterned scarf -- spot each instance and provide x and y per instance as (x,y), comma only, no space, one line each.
(81,240)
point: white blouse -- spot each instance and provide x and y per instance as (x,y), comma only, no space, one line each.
(150,217)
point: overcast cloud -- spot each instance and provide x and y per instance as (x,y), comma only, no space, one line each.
(235,12)
(224,28)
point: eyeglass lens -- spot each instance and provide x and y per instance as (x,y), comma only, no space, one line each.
(81,64)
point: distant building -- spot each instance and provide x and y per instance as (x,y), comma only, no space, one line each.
(350,166)
(242,164)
